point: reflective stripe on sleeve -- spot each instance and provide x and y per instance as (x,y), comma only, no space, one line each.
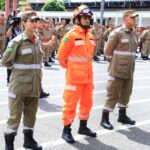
(12,95)
(111,78)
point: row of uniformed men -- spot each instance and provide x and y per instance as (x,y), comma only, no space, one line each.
(101,36)
(24,53)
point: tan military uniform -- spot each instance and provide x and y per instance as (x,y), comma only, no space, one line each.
(46,37)
(53,33)
(120,50)
(98,38)
(106,33)
(25,57)
(145,37)
(60,32)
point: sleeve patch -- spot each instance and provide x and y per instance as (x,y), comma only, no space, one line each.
(66,40)
(9,49)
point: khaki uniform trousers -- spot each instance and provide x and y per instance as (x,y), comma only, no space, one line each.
(46,54)
(146,48)
(26,105)
(118,91)
(1,47)
(97,48)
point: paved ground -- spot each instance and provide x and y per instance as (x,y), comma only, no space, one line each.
(48,127)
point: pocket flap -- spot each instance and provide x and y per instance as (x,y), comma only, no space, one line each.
(78,67)
(24,79)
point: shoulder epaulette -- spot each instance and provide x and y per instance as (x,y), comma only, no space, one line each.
(18,38)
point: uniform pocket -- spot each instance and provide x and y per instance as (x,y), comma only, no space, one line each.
(26,55)
(77,73)
(123,65)
(25,85)
(125,44)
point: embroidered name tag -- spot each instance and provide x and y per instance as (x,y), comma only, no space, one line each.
(26,51)
(79,42)
(124,40)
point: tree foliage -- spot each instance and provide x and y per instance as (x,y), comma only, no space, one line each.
(2,5)
(54,5)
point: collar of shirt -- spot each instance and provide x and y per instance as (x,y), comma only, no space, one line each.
(25,37)
(80,29)
(126,29)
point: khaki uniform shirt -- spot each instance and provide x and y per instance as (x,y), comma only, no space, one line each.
(106,34)
(2,31)
(25,57)
(146,36)
(60,32)
(121,46)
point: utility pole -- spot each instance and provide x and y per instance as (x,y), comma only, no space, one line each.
(102,11)
(10,6)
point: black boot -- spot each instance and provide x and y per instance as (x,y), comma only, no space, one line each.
(46,64)
(29,141)
(51,60)
(96,58)
(43,94)
(66,135)
(9,141)
(83,129)
(105,120)
(123,118)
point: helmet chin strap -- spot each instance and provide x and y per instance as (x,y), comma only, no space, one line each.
(83,26)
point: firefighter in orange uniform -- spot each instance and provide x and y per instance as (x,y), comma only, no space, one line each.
(75,54)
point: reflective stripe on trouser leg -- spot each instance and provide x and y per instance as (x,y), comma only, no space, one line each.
(114,86)
(30,110)
(71,96)
(86,101)
(125,93)
(15,111)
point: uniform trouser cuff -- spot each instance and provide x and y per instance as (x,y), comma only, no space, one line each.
(122,106)
(108,109)
(9,131)
(27,128)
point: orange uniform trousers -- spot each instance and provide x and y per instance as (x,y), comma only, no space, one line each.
(74,93)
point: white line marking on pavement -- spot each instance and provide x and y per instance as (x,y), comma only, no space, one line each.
(93,108)
(58,142)
(95,92)
(95,82)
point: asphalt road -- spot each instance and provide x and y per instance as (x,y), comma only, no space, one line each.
(48,128)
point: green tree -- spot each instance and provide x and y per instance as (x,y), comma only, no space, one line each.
(54,5)
(2,5)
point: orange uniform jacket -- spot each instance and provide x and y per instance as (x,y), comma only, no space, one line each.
(76,53)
